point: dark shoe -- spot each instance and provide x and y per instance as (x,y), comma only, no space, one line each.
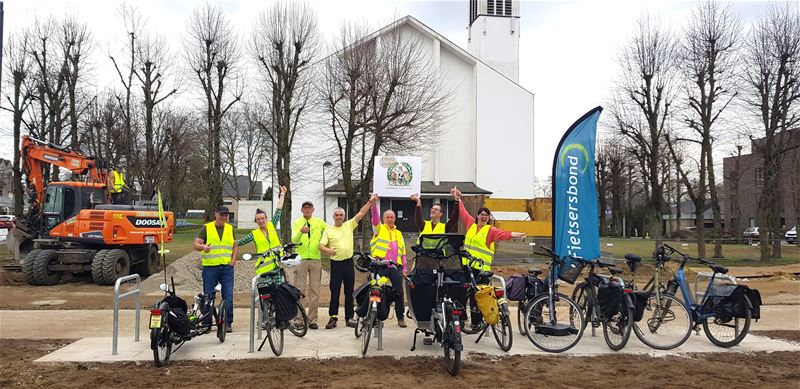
(352,323)
(401,323)
(427,341)
(331,323)
(313,326)
(229,329)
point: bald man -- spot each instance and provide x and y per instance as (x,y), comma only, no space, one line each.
(388,244)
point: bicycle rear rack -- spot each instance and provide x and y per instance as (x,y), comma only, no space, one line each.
(117,297)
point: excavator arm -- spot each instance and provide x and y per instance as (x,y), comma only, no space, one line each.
(36,154)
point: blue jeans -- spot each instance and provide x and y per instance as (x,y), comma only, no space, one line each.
(223,274)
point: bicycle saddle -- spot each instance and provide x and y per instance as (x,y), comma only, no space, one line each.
(534,272)
(719,269)
(633,258)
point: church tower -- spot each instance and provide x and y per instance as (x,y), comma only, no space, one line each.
(494,34)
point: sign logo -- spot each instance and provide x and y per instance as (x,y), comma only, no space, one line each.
(144,222)
(51,157)
(400,174)
(580,147)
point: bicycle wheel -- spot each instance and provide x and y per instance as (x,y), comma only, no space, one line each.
(452,356)
(666,323)
(728,332)
(503,331)
(554,326)
(580,297)
(274,334)
(520,317)
(617,329)
(222,322)
(366,332)
(299,327)
(162,346)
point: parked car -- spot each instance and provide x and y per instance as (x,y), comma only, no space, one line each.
(791,235)
(751,233)
(6,221)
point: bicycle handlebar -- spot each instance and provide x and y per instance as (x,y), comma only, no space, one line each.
(686,256)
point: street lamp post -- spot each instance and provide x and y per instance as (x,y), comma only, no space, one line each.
(324,186)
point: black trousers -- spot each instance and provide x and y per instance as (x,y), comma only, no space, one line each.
(342,272)
(396,276)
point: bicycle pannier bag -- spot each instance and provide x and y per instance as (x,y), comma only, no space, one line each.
(361,295)
(609,296)
(535,287)
(639,304)
(516,287)
(486,301)
(285,298)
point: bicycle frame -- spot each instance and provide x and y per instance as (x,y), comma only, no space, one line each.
(698,316)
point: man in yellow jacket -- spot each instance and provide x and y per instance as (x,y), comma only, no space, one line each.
(387,244)
(217,247)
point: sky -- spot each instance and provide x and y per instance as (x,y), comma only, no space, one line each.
(568,49)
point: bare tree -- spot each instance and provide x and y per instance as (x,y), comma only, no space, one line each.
(18,65)
(772,75)
(76,43)
(230,147)
(102,129)
(707,59)
(212,52)
(283,45)
(153,60)
(643,105)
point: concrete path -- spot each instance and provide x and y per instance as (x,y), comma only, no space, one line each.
(95,329)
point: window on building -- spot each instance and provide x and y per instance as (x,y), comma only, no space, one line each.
(490,7)
(759,177)
(507,7)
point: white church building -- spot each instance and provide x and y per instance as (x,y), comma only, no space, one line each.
(489,135)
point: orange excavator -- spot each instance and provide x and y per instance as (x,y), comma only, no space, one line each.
(72,227)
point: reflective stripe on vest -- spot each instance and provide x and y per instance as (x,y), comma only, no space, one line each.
(264,244)
(221,248)
(475,244)
(379,245)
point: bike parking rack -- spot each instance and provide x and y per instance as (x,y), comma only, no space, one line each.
(117,297)
(379,334)
(254,298)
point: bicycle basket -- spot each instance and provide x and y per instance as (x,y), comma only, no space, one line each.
(570,269)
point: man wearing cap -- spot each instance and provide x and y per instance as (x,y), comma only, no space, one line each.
(307,231)
(217,247)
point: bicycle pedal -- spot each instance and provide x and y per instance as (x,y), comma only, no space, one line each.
(427,341)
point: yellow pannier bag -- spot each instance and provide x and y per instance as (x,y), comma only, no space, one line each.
(487,304)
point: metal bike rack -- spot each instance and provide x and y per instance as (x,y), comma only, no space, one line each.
(117,297)
(254,298)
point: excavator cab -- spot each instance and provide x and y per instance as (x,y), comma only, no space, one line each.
(63,200)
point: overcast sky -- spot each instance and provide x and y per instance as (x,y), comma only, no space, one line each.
(567,48)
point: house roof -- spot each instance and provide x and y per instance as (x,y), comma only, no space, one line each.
(431,33)
(687,211)
(428,188)
(242,186)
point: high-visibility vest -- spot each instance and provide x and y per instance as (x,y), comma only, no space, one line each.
(268,263)
(430,229)
(119,182)
(379,245)
(221,248)
(475,244)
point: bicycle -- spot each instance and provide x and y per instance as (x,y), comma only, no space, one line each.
(378,293)
(502,330)
(267,286)
(445,325)
(706,313)
(553,316)
(195,322)
(535,287)
(606,301)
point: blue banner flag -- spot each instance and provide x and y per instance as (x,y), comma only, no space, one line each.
(575,220)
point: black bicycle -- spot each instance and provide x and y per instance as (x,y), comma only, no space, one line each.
(475,323)
(606,301)
(440,255)
(268,285)
(377,308)
(173,324)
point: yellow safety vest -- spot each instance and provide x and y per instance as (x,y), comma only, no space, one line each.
(379,245)
(119,182)
(475,244)
(221,249)
(267,263)
(430,229)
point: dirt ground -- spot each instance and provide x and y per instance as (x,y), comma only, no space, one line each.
(782,288)
(777,369)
